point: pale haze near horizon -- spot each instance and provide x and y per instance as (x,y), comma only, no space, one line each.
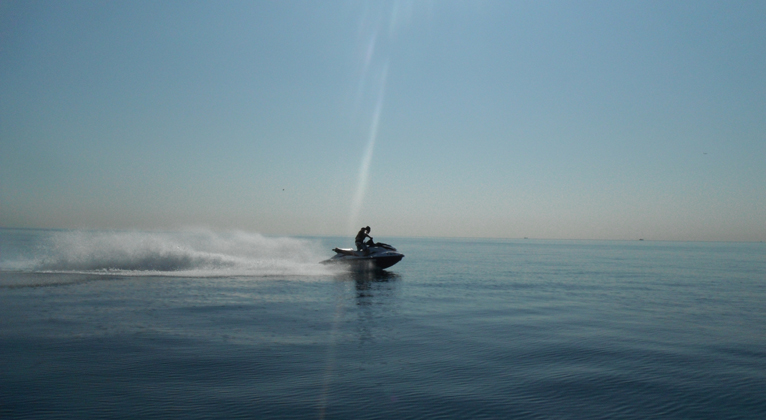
(571,120)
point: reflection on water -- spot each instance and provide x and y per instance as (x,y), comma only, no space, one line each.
(373,282)
(370,276)
(374,302)
(365,314)
(370,283)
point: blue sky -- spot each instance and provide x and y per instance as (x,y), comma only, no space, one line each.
(544,119)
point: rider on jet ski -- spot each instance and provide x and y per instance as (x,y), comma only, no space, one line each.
(369,254)
(363,233)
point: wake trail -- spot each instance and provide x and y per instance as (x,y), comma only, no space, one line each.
(184,254)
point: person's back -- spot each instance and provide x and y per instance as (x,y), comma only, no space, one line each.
(359,240)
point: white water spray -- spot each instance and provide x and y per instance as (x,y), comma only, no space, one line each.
(189,254)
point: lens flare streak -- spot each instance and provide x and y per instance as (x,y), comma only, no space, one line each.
(364,170)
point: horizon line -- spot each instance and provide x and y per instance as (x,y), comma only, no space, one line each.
(523,238)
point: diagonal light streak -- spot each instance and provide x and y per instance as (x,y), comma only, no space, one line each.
(364,169)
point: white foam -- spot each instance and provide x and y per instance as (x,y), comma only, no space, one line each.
(197,253)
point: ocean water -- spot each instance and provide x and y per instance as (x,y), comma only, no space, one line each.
(206,325)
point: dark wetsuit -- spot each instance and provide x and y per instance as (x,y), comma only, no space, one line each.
(360,239)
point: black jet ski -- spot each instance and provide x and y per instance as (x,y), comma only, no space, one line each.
(377,256)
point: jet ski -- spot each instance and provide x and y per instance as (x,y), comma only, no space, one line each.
(377,256)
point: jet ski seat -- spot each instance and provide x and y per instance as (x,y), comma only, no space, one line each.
(345,251)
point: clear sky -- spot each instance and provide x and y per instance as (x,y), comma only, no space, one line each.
(540,119)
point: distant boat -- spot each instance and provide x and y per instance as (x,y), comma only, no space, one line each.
(641,239)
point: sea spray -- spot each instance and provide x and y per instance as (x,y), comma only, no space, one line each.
(197,253)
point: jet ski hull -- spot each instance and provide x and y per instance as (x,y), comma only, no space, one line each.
(380,256)
(367,263)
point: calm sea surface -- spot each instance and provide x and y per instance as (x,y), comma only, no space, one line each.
(209,325)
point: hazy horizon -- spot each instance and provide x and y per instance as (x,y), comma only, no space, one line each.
(383,237)
(486,119)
